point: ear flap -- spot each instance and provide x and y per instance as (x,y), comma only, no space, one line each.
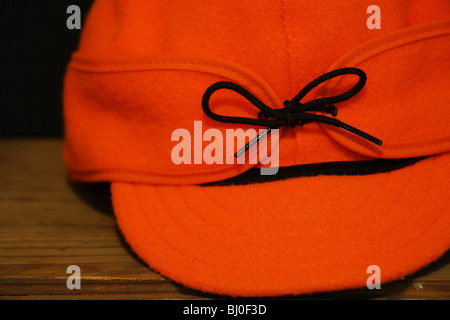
(406,100)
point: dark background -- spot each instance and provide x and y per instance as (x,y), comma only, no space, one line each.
(35,47)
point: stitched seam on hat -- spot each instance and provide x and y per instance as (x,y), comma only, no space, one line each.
(399,195)
(157,174)
(141,213)
(170,62)
(91,172)
(206,222)
(403,37)
(421,146)
(287,42)
(176,250)
(432,223)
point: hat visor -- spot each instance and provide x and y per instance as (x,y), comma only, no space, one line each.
(295,236)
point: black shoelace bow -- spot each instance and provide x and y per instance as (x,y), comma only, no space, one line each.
(294,112)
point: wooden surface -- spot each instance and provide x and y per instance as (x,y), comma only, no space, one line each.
(48,223)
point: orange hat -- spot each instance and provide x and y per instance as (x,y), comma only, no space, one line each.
(340,202)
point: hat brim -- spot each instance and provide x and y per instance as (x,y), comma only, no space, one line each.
(289,237)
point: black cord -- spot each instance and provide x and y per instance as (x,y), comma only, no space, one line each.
(294,112)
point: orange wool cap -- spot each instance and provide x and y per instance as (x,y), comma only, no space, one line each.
(156,87)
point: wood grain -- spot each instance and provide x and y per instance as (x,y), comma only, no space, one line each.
(48,223)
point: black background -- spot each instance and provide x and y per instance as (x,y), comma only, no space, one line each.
(35,48)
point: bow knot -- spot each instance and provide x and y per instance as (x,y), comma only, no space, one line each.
(290,113)
(294,112)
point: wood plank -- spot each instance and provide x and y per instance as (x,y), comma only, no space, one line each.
(48,223)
